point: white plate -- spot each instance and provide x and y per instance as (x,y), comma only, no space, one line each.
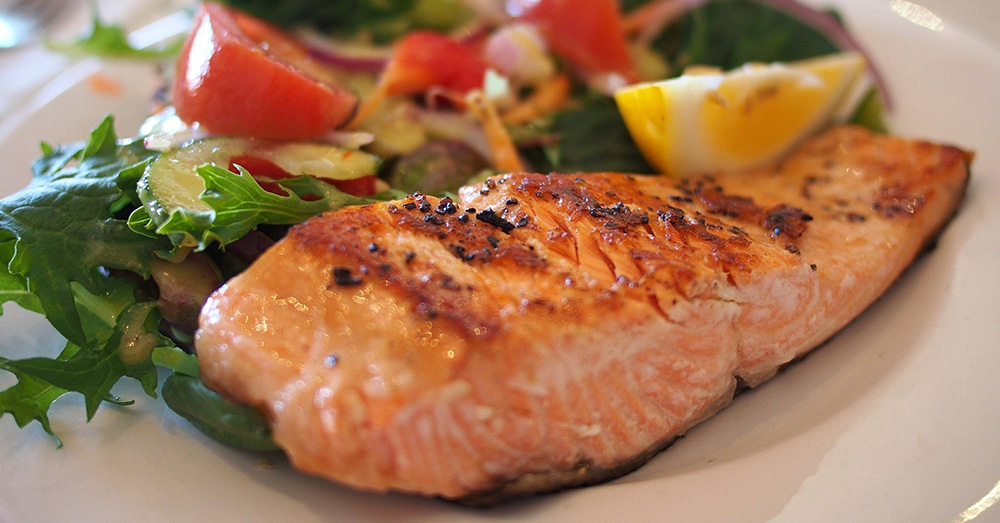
(896,419)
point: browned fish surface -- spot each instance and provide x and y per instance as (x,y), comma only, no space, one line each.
(552,331)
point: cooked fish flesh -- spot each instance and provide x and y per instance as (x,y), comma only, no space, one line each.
(549,331)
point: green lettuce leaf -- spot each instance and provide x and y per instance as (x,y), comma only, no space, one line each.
(730,33)
(93,370)
(14,287)
(871,113)
(90,371)
(176,359)
(591,138)
(231,423)
(64,228)
(29,399)
(65,252)
(110,40)
(382,19)
(594,138)
(239,204)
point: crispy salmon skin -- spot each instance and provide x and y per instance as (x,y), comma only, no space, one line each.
(548,331)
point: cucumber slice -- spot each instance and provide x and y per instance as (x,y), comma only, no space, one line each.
(320,160)
(171,182)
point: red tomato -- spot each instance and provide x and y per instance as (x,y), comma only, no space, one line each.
(424,59)
(239,75)
(364,186)
(267,173)
(586,33)
(260,168)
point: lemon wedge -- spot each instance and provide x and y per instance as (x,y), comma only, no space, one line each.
(708,120)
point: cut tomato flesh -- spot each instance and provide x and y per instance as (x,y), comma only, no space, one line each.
(258,167)
(239,75)
(424,59)
(364,186)
(588,34)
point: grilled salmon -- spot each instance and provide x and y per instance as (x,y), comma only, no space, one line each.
(548,331)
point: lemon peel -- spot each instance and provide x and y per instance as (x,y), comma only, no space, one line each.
(707,120)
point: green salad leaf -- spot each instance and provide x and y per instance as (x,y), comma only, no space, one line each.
(871,113)
(65,253)
(380,21)
(176,359)
(29,399)
(14,287)
(383,19)
(68,251)
(730,33)
(63,228)
(593,138)
(110,40)
(93,370)
(225,421)
(239,204)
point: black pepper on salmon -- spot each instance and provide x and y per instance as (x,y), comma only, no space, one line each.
(576,326)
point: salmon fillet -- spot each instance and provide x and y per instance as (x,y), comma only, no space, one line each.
(548,331)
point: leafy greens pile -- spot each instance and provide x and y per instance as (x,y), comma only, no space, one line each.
(77,246)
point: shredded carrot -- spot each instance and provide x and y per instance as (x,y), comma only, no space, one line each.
(104,84)
(547,98)
(367,107)
(505,157)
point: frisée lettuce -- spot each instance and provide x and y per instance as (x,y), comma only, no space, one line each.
(77,246)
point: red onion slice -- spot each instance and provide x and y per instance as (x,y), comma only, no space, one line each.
(347,58)
(348,63)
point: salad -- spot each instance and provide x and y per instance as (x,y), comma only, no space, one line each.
(279,111)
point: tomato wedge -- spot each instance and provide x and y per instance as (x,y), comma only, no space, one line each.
(241,76)
(424,59)
(588,34)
